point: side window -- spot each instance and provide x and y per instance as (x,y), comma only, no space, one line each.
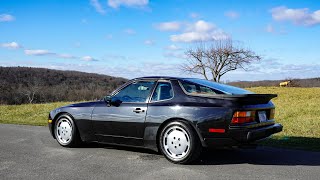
(163,91)
(135,92)
(197,89)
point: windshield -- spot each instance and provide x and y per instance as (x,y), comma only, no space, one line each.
(217,86)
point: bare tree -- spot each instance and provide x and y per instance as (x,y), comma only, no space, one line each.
(216,58)
(31,90)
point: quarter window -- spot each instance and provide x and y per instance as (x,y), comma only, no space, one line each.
(135,92)
(198,89)
(163,91)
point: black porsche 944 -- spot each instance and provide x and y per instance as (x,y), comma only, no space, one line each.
(175,116)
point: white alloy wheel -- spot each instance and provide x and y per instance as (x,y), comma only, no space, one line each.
(64,130)
(176,142)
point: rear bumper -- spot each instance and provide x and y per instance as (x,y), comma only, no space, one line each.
(261,133)
(241,136)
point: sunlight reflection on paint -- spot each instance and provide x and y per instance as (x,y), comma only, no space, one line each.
(176,107)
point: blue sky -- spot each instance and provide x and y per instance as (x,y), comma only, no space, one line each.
(132,38)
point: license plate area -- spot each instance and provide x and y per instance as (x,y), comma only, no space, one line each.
(262,116)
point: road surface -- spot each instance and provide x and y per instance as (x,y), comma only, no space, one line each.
(29,152)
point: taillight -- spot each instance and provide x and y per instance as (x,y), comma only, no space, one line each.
(272,112)
(240,117)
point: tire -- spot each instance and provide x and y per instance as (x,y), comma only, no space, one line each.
(179,143)
(65,131)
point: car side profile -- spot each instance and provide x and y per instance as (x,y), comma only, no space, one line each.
(175,116)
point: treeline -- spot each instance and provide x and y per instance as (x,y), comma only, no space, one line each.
(19,85)
(311,82)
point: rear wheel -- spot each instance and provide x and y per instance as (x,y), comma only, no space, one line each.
(66,132)
(179,143)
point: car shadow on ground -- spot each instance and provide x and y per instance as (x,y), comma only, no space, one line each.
(119,147)
(262,155)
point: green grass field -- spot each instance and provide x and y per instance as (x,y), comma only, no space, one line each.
(30,114)
(297,109)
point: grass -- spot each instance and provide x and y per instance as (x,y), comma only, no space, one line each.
(297,109)
(29,114)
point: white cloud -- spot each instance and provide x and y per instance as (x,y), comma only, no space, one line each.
(173,47)
(194,15)
(149,42)
(270,28)
(232,14)
(88,58)
(173,54)
(42,52)
(199,31)
(11,45)
(128,3)
(37,52)
(168,26)
(296,16)
(67,56)
(129,31)
(96,4)
(6,18)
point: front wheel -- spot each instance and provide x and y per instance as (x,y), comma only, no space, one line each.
(66,132)
(179,143)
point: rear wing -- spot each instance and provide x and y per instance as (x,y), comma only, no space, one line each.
(246,99)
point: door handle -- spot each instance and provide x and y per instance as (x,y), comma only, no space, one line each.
(138,110)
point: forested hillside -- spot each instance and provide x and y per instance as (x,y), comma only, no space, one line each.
(20,85)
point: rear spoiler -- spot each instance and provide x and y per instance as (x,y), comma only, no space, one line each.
(246,99)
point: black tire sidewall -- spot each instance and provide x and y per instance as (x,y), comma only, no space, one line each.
(192,137)
(74,129)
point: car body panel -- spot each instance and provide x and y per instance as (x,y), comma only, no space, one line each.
(121,122)
(98,121)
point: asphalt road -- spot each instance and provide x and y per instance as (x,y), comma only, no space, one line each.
(29,152)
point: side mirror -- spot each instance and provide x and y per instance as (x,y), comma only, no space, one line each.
(109,101)
(116,103)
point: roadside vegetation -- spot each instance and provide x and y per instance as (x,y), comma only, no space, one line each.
(297,109)
(28,114)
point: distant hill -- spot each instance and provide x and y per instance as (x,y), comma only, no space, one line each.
(20,85)
(310,82)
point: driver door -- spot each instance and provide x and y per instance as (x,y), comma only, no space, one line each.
(123,124)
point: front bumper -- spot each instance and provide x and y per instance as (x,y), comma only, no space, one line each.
(242,136)
(50,125)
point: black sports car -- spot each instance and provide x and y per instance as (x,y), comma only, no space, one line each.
(176,116)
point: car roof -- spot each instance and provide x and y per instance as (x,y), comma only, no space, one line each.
(218,86)
(159,77)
